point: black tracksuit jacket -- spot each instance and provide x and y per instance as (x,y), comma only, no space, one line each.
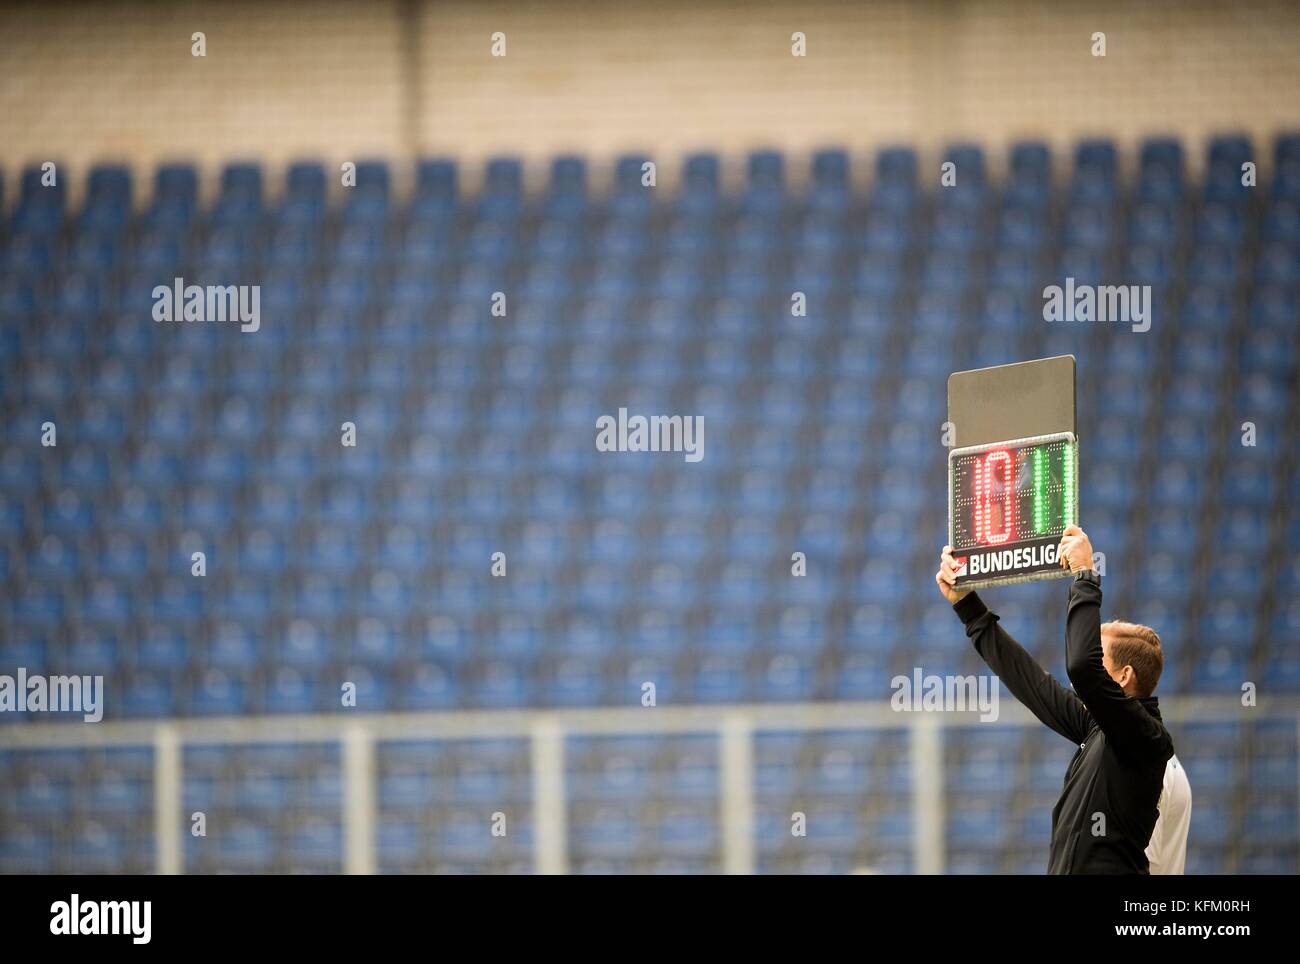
(1119,766)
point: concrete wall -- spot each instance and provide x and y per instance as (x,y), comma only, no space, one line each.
(81,82)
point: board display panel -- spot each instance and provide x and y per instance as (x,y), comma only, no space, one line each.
(1009,504)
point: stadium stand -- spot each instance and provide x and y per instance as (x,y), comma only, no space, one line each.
(475,435)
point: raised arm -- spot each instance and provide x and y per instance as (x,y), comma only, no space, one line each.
(1129,728)
(1027,680)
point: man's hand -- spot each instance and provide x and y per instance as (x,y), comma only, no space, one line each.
(947,576)
(1075,551)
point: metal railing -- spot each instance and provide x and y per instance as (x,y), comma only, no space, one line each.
(546,730)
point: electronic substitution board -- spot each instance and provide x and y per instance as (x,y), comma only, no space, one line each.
(1013,475)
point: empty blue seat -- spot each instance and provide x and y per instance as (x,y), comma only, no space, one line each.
(371,565)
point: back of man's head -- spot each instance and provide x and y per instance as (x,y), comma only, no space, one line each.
(1138,646)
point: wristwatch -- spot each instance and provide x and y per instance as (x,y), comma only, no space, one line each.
(1088,575)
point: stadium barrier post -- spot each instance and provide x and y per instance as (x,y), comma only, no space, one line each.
(926,739)
(167,817)
(550,846)
(358,752)
(737,754)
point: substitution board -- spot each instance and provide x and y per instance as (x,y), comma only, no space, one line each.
(1013,475)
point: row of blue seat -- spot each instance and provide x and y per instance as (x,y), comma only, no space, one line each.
(1096,163)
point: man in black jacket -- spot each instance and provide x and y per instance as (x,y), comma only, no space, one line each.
(1108,807)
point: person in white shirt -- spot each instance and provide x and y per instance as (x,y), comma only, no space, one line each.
(1167,851)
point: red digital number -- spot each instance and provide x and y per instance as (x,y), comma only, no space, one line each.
(984,504)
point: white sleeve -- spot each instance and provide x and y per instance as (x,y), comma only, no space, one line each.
(1155,847)
(1167,850)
